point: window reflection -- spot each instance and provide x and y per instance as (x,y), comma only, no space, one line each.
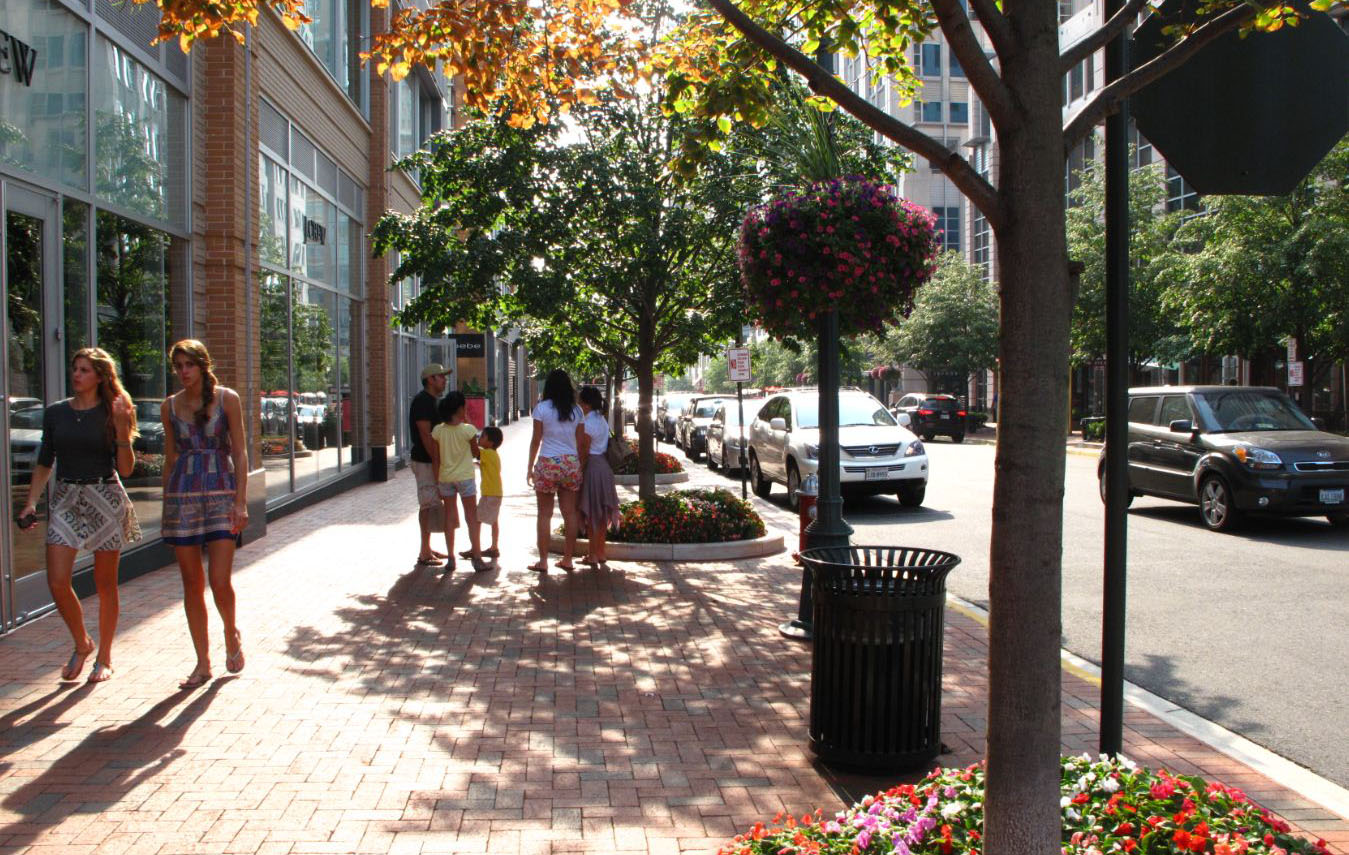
(314,362)
(275,406)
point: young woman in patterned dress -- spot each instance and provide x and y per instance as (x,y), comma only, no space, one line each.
(205,497)
(88,439)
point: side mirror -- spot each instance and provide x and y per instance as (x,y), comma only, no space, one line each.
(1182,426)
(905,420)
(778,423)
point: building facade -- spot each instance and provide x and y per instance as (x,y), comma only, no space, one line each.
(226,195)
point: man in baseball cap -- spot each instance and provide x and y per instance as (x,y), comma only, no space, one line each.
(423,417)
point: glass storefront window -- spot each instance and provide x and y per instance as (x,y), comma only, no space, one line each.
(275,404)
(320,238)
(298,207)
(133,296)
(75,261)
(314,352)
(272,211)
(137,139)
(44,98)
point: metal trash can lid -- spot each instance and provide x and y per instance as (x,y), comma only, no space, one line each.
(880,569)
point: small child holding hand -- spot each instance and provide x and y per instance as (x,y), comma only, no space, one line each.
(489,490)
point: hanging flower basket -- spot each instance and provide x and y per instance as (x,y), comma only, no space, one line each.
(848,244)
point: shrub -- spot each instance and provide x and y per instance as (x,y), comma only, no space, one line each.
(665,464)
(148,465)
(688,516)
(1093,430)
(1108,806)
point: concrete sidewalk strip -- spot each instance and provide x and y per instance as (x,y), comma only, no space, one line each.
(387,708)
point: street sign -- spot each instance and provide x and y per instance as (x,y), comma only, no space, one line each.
(1292,350)
(737,362)
(1295,374)
(1248,114)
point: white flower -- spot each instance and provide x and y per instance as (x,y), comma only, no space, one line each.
(952,810)
(1065,801)
(1110,785)
(1071,815)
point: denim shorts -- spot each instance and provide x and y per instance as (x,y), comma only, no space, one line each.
(450,489)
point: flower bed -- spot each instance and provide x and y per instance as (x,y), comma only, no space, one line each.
(1108,806)
(665,464)
(688,516)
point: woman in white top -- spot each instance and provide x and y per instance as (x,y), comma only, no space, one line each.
(599,497)
(554,465)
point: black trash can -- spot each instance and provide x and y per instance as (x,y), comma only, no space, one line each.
(875,679)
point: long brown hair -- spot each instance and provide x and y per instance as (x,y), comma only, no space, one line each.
(201,357)
(109,385)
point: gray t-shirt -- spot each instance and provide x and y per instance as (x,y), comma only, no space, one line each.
(77,441)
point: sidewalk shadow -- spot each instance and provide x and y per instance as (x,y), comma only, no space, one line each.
(106,766)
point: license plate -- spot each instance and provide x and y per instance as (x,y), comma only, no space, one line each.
(877,474)
(946,415)
(1333,497)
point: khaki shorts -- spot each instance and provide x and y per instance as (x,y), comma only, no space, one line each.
(450,489)
(425,475)
(489,508)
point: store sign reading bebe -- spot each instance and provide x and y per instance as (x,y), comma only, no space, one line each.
(17,58)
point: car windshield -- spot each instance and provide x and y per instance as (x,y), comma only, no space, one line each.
(949,404)
(852,410)
(706,410)
(147,410)
(1246,409)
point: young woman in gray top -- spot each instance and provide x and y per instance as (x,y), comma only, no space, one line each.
(88,439)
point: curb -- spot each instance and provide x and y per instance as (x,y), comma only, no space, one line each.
(730,550)
(1280,770)
(668,478)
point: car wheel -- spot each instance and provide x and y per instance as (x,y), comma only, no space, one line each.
(1338,520)
(793,487)
(957,437)
(912,495)
(711,461)
(928,437)
(762,486)
(1216,507)
(1100,480)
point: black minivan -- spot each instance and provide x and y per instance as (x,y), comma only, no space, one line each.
(1233,450)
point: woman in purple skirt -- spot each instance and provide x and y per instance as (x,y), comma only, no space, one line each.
(205,497)
(599,497)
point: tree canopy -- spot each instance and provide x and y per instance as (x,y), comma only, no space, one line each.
(953,326)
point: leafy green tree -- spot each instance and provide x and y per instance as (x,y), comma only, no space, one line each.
(1153,331)
(954,324)
(1264,268)
(593,240)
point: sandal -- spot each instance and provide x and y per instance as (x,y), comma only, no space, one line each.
(428,562)
(76,663)
(567,566)
(234,662)
(100,673)
(539,568)
(590,562)
(195,680)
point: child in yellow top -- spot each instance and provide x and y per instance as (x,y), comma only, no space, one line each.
(489,491)
(454,447)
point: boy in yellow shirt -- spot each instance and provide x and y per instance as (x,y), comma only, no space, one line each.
(489,491)
(455,446)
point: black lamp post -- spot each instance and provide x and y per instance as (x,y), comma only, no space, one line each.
(829,527)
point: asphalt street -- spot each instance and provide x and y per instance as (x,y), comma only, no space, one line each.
(1248,630)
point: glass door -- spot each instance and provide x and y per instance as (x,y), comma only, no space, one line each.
(33,376)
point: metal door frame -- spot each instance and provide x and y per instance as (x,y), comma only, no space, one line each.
(20,604)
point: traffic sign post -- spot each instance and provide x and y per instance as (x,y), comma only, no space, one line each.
(738,369)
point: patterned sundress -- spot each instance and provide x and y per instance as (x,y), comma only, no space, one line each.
(200,492)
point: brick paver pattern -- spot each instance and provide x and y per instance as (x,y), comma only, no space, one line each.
(386,708)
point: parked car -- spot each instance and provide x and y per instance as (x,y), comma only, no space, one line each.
(16,404)
(930,415)
(723,436)
(1233,450)
(876,454)
(25,440)
(694,421)
(151,426)
(667,414)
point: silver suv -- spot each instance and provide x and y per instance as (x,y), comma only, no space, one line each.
(876,454)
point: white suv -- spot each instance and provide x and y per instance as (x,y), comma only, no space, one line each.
(876,454)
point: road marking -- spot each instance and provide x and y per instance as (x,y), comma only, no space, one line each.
(1281,770)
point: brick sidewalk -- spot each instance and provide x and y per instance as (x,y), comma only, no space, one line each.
(650,709)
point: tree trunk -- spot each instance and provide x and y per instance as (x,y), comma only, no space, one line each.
(1025,562)
(646,445)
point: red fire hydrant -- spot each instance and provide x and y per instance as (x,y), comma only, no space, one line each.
(806,494)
